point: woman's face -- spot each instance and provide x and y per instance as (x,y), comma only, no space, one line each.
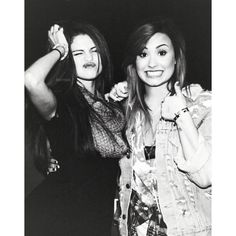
(156,63)
(87,60)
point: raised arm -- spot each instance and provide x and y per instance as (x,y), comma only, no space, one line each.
(195,158)
(42,96)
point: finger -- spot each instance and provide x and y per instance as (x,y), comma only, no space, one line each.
(113,97)
(107,95)
(54,161)
(51,169)
(56,27)
(119,99)
(52,29)
(49,36)
(117,91)
(121,93)
(123,86)
(177,88)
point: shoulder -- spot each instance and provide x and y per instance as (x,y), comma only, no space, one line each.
(196,95)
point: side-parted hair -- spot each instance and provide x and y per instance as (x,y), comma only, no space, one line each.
(135,45)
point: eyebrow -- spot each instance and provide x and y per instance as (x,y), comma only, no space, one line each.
(159,46)
(81,50)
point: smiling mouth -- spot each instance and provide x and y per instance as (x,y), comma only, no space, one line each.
(154,73)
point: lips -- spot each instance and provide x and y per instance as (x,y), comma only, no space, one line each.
(89,65)
(154,73)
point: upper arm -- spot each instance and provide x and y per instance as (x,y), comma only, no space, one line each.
(41,96)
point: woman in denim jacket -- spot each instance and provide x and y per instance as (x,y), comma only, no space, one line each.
(165,185)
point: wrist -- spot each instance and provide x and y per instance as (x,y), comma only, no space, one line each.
(180,113)
(61,49)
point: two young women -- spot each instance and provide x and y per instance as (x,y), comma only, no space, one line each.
(165,182)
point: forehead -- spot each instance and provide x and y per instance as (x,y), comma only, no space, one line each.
(82,41)
(159,39)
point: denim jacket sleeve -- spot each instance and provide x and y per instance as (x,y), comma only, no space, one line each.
(198,167)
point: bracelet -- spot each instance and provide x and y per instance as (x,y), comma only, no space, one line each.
(56,49)
(177,115)
(62,55)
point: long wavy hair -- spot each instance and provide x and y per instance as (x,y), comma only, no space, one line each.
(135,45)
(62,81)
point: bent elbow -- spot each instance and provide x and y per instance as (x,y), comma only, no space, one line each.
(30,81)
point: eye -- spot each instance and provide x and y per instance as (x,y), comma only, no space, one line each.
(162,52)
(94,50)
(142,54)
(77,54)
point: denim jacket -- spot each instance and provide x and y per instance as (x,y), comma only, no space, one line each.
(186,207)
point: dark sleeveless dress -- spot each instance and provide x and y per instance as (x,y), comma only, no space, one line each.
(78,198)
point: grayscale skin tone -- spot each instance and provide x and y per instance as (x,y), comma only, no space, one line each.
(155,66)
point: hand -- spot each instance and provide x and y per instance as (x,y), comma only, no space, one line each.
(173,104)
(53,165)
(118,92)
(57,38)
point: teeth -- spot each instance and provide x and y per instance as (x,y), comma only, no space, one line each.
(154,73)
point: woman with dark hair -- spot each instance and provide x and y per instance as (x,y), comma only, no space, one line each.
(83,131)
(165,185)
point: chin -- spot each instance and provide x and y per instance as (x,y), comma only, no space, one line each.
(153,83)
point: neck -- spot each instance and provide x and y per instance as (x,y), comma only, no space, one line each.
(153,98)
(155,95)
(88,84)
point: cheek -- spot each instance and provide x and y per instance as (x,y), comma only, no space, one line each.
(170,64)
(78,61)
(138,69)
(140,64)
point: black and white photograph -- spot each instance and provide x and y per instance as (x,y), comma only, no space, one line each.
(118,118)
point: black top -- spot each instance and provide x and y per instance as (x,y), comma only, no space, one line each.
(78,198)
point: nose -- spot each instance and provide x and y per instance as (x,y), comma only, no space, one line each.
(88,56)
(152,61)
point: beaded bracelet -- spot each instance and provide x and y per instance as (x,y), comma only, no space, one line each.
(177,115)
